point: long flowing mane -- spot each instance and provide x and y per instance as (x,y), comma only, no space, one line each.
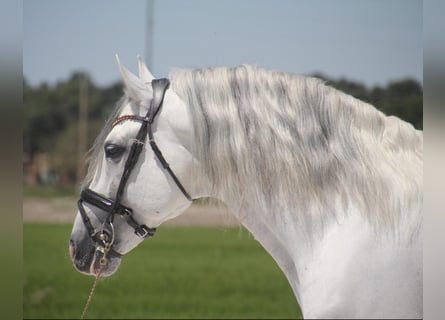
(275,142)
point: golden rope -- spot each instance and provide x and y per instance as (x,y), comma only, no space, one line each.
(102,262)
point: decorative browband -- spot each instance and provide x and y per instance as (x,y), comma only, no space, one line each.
(126,117)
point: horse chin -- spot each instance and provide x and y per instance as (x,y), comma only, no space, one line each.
(90,263)
(111,264)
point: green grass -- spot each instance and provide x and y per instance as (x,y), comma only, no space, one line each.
(180,273)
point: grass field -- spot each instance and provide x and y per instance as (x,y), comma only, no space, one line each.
(182,272)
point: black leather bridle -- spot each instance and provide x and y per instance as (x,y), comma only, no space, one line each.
(105,234)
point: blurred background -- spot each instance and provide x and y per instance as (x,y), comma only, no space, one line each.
(369,49)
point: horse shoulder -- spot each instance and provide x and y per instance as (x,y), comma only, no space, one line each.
(355,273)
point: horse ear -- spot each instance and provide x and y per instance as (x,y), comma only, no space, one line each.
(135,88)
(144,74)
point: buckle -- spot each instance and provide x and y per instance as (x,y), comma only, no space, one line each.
(144,232)
(126,211)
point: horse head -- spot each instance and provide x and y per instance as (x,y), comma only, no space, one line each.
(126,196)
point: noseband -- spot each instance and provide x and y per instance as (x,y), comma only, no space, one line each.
(105,235)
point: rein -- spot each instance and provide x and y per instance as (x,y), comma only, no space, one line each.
(104,237)
(102,262)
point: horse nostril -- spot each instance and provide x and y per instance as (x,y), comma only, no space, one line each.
(71,249)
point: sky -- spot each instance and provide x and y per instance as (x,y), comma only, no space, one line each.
(369,41)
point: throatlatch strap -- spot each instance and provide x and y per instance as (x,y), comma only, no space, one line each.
(158,97)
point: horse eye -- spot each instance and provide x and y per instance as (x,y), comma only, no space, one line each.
(113,151)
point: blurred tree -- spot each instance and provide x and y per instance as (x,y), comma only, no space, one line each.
(403,98)
(51,118)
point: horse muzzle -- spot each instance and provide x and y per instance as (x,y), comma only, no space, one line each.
(87,255)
